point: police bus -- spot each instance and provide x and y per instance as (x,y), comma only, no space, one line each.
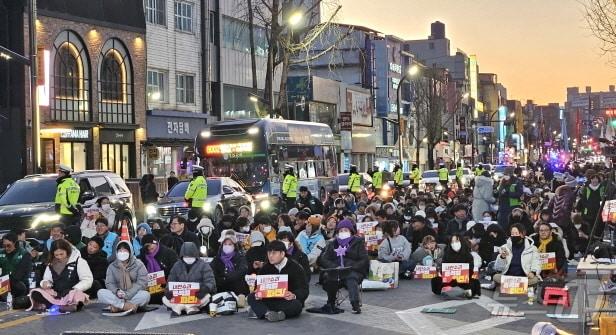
(254,153)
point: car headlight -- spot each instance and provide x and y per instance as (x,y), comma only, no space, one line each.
(207,207)
(150,210)
(44,218)
(265,204)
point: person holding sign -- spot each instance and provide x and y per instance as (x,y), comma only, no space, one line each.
(191,269)
(230,266)
(16,264)
(457,252)
(519,257)
(156,258)
(292,303)
(126,282)
(552,257)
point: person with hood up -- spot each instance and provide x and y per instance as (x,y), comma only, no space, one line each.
(66,278)
(97,261)
(142,230)
(493,238)
(191,269)
(395,248)
(510,190)
(483,195)
(348,252)
(256,256)
(126,282)
(246,212)
(311,239)
(230,267)
(205,232)
(307,200)
(458,251)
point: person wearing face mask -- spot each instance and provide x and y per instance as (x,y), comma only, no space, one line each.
(311,240)
(230,267)
(190,268)
(349,252)
(547,241)
(126,282)
(590,197)
(510,191)
(483,195)
(518,257)
(419,229)
(142,230)
(104,208)
(294,252)
(458,251)
(493,238)
(16,263)
(157,257)
(395,248)
(428,254)
(97,261)
(256,256)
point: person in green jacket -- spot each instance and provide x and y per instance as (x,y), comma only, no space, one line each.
(460,175)
(354,182)
(67,197)
(443,175)
(289,186)
(377,179)
(415,176)
(16,262)
(398,176)
(195,196)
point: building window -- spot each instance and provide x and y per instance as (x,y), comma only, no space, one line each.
(185,88)
(157,86)
(236,36)
(115,84)
(155,11)
(183,16)
(70,94)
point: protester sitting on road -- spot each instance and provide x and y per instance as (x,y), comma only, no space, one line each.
(126,282)
(429,254)
(263,223)
(191,269)
(417,231)
(179,235)
(156,257)
(395,248)
(493,238)
(16,263)
(519,215)
(142,230)
(97,261)
(291,305)
(110,239)
(67,276)
(343,263)
(56,232)
(230,267)
(73,235)
(301,220)
(256,256)
(294,252)
(457,225)
(329,230)
(311,239)
(457,251)
(548,241)
(518,257)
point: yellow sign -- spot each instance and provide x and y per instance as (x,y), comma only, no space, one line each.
(228,148)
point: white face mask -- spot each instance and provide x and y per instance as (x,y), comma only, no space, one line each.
(578,226)
(431,220)
(245,229)
(189,260)
(456,246)
(379,234)
(344,235)
(267,229)
(106,207)
(227,248)
(123,255)
(487,218)
(287,244)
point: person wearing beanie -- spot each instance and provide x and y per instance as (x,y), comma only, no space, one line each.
(142,230)
(73,235)
(279,309)
(97,261)
(191,269)
(157,257)
(420,228)
(256,256)
(16,263)
(345,251)
(311,239)
(294,252)
(230,266)
(126,282)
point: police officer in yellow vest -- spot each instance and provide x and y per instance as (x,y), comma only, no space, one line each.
(443,175)
(398,176)
(195,195)
(67,197)
(377,179)
(415,176)
(354,183)
(460,175)
(479,170)
(289,186)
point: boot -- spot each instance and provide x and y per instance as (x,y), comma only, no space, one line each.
(356,307)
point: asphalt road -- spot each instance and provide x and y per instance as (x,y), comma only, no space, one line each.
(395,311)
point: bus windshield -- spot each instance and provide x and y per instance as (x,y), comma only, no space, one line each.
(251,174)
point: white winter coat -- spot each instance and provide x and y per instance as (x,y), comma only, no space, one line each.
(483,196)
(530,258)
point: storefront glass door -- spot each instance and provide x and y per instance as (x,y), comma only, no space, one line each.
(115,157)
(74,155)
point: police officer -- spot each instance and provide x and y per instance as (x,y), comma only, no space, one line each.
(195,196)
(289,186)
(443,175)
(67,197)
(354,183)
(377,179)
(459,175)
(478,170)
(415,176)
(398,176)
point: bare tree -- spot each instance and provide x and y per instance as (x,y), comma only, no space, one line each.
(601,19)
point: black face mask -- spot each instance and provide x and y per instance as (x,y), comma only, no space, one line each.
(516,239)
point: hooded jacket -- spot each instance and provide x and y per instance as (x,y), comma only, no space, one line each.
(561,205)
(97,262)
(199,272)
(530,258)
(312,245)
(483,196)
(488,243)
(136,270)
(137,242)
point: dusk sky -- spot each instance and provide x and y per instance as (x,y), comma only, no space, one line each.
(537,48)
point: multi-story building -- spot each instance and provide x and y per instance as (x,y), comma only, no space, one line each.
(91,85)
(585,112)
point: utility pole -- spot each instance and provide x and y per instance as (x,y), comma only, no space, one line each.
(36,156)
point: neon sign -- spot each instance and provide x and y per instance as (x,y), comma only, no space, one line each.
(228,148)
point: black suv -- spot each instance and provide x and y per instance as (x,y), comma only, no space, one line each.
(29,202)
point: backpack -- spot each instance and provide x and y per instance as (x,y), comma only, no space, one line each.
(226,302)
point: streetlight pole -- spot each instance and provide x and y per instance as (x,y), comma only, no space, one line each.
(36,156)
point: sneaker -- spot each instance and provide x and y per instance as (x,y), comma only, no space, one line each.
(356,308)
(192,310)
(489,286)
(578,255)
(176,309)
(468,294)
(607,286)
(275,316)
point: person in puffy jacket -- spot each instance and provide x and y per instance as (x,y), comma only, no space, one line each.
(230,266)
(395,248)
(518,257)
(483,195)
(311,239)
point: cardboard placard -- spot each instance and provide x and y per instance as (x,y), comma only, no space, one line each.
(5,284)
(547,260)
(384,272)
(156,280)
(456,271)
(241,237)
(366,227)
(272,286)
(184,293)
(425,272)
(514,285)
(371,241)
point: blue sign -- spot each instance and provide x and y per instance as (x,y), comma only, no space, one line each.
(485,129)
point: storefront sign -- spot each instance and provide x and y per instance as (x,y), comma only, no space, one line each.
(117,136)
(397,68)
(77,134)
(395,82)
(169,127)
(360,106)
(346,121)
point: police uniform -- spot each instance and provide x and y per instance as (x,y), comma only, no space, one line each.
(443,176)
(195,195)
(67,198)
(377,179)
(289,187)
(415,177)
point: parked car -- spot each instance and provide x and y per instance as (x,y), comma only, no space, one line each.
(28,203)
(223,195)
(343,181)
(466,179)
(499,171)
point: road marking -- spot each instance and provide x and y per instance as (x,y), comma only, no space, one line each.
(161,318)
(17,322)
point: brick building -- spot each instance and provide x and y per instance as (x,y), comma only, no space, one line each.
(91,84)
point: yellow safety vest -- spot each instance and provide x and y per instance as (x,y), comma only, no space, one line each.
(377,179)
(67,195)
(398,177)
(416,175)
(289,186)
(443,174)
(196,192)
(478,171)
(354,182)
(459,173)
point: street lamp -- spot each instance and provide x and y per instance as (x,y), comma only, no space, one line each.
(411,72)
(512,115)
(295,18)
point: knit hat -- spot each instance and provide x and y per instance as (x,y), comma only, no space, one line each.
(189,249)
(205,227)
(570,181)
(99,241)
(227,234)
(148,239)
(73,234)
(256,236)
(346,224)
(315,219)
